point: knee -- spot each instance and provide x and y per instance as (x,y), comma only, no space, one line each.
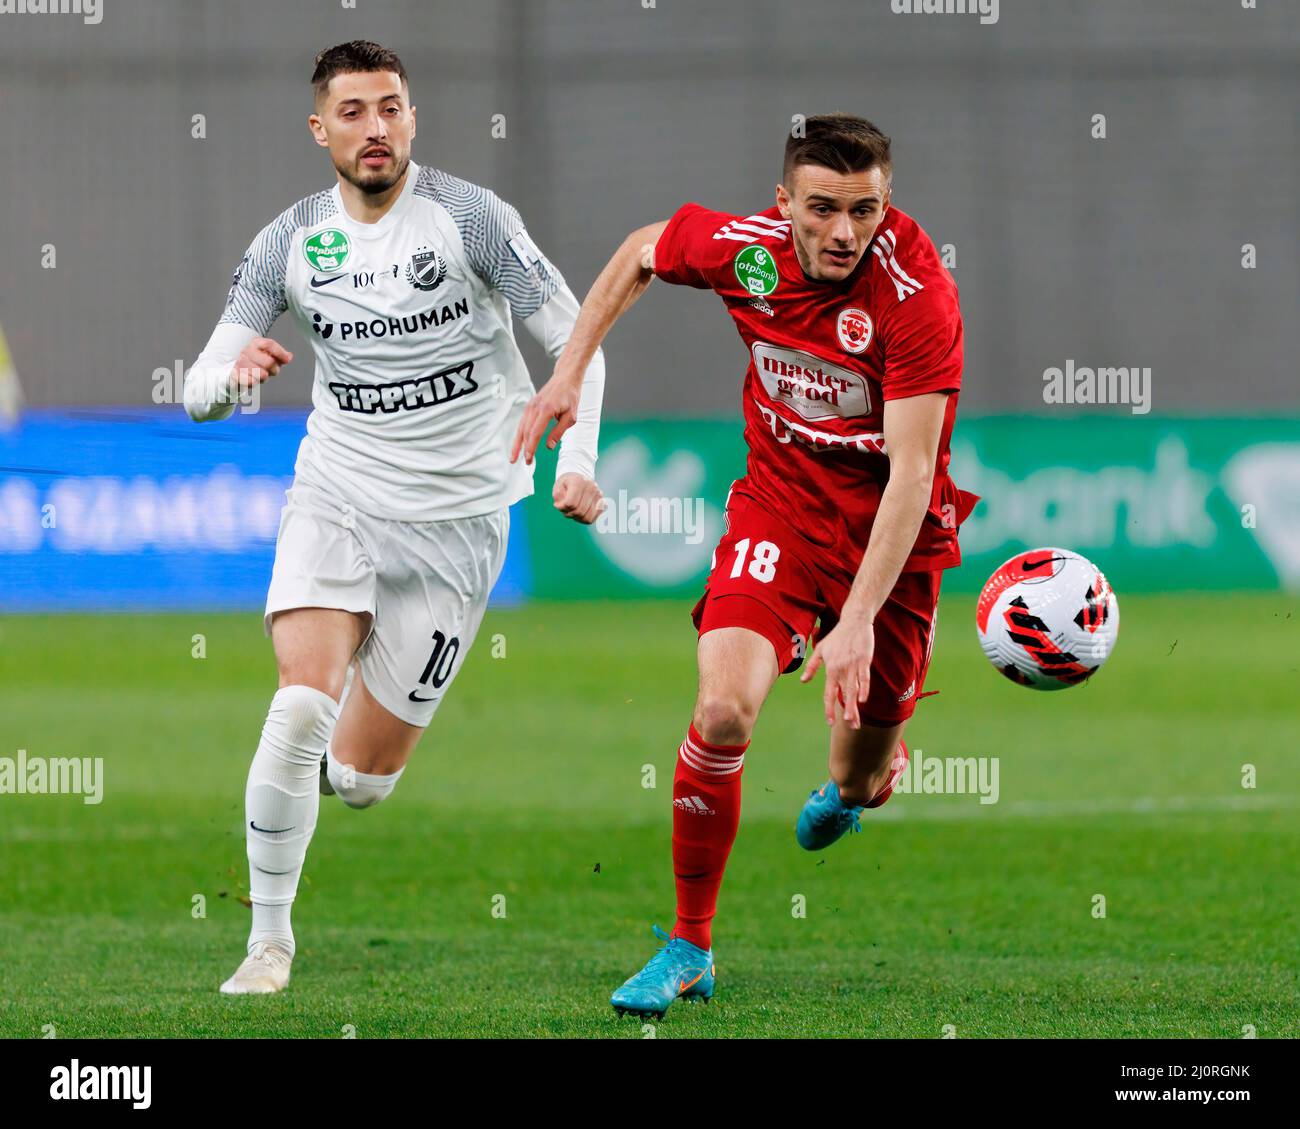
(724,719)
(313,675)
(300,722)
(359,789)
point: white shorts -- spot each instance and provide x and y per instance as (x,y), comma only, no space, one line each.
(425,585)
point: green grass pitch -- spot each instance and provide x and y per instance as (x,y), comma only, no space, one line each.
(944,915)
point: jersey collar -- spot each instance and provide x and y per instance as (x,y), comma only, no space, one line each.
(390,218)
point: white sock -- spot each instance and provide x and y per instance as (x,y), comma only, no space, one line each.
(281,803)
(358,789)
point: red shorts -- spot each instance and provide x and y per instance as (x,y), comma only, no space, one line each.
(766,578)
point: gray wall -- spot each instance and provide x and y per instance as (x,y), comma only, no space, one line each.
(1114,252)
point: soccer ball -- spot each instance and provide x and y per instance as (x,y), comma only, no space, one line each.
(1047,619)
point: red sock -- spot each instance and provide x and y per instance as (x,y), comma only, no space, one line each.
(706,813)
(897,767)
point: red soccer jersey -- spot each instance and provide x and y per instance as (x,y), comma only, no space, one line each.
(823,359)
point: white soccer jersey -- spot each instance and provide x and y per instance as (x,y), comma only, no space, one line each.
(419,383)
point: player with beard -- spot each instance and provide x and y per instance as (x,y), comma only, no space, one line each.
(846,516)
(404,279)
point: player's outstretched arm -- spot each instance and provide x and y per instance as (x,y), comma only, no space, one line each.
(620,284)
(912,427)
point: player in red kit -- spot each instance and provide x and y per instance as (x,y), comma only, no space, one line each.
(846,516)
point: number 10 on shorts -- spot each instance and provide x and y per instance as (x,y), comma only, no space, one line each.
(762,565)
(438,668)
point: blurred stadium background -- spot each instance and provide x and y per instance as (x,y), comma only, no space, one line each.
(1126,251)
(120,230)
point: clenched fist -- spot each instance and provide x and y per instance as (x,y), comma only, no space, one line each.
(261,359)
(578,498)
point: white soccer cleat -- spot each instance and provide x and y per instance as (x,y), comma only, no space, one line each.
(264,970)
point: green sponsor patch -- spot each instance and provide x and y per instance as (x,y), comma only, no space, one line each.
(756,270)
(327,250)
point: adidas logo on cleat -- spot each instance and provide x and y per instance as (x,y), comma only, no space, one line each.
(694,805)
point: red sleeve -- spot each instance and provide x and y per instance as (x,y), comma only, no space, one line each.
(687,252)
(922,333)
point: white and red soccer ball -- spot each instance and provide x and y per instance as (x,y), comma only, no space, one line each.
(1047,619)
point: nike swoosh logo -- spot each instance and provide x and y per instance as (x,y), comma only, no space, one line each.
(414,697)
(1029,565)
(268,831)
(682,985)
(317,283)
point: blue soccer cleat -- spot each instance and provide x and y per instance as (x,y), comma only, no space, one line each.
(825,818)
(678,969)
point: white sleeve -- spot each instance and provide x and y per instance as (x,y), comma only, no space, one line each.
(209,393)
(551,326)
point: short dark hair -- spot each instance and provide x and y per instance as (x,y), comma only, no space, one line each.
(360,56)
(839,142)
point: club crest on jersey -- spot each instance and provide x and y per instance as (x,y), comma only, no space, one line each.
(756,270)
(426,270)
(854,329)
(327,250)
